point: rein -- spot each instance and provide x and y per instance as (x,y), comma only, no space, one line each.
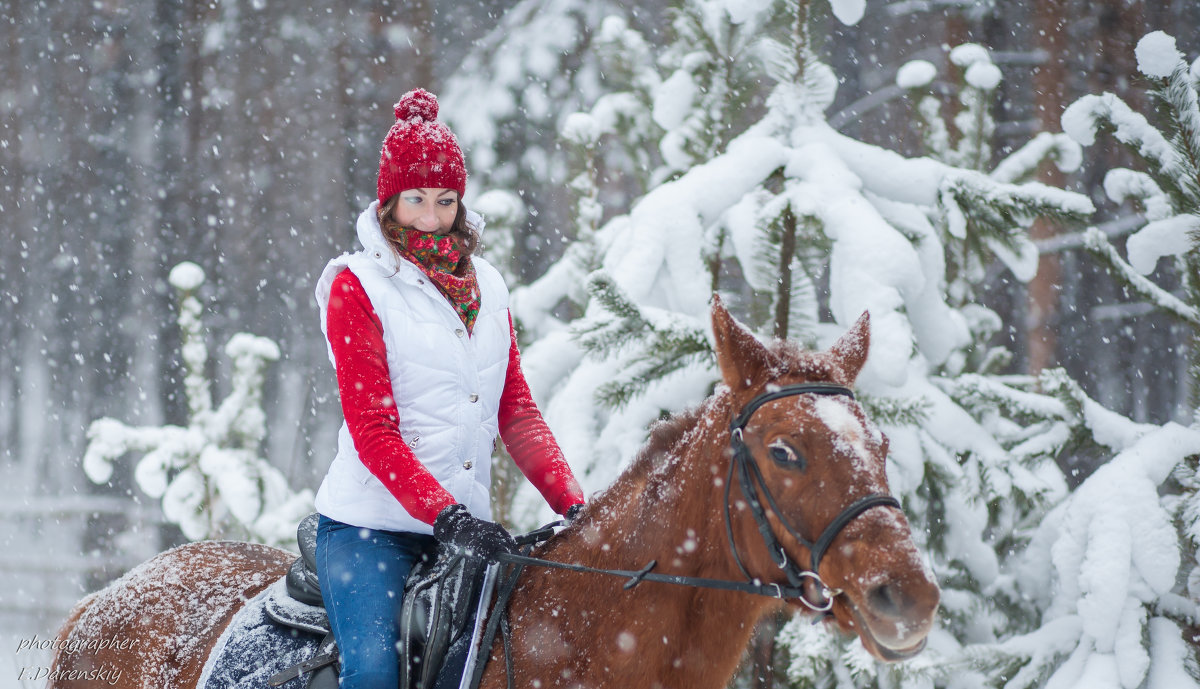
(800,581)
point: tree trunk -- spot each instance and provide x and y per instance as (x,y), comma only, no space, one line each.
(1049,79)
(787,255)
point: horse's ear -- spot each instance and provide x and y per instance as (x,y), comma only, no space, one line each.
(850,351)
(741,357)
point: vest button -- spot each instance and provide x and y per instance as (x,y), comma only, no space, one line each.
(467,464)
(420,281)
(378,255)
(460,332)
(474,397)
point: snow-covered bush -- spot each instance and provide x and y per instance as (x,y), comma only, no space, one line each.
(209,476)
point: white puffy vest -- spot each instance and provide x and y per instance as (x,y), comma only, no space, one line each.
(446,384)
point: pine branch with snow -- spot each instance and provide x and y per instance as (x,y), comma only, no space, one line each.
(710,77)
(208,475)
(1022,164)
(974,120)
(1096,242)
(1177,91)
(656,344)
(1168,191)
(1000,215)
(1102,566)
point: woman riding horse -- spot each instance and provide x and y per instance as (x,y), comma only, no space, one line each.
(784,421)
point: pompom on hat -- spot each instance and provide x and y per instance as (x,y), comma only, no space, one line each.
(418,151)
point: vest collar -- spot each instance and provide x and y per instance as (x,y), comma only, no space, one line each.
(370,235)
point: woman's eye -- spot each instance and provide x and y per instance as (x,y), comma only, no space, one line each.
(447,202)
(782,453)
(415,200)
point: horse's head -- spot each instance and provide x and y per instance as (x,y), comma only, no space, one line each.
(823,463)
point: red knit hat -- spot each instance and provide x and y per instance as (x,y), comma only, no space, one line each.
(419,152)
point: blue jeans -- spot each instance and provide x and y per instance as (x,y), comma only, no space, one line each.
(362,574)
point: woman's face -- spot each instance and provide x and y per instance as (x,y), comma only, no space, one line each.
(427,210)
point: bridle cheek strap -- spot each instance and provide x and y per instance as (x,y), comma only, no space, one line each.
(751,480)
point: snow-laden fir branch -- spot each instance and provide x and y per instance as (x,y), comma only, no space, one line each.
(1179,93)
(934,132)
(1023,163)
(1096,242)
(1088,115)
(895,411)
(998,209)
(659,343)
(1098,566)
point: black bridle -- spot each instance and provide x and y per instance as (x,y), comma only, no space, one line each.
(751,479)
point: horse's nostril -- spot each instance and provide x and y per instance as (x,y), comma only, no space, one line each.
(889,600)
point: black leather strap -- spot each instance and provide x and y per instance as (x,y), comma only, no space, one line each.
(787,391)
(856,508)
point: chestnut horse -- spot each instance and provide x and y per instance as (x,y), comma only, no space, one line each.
(817,455)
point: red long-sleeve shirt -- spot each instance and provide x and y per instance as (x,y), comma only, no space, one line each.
(364,383)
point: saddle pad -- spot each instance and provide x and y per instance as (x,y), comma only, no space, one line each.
(254,647)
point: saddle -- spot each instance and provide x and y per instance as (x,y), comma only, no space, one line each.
(440,599)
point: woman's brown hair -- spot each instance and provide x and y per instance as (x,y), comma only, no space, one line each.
(466,237)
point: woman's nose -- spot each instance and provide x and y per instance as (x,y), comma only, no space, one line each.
(427,218)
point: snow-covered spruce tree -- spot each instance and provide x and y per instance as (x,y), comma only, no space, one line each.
(208,474)
(1111,572)
(973,452)
(688,114)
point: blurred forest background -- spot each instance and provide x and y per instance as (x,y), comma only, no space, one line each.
(244,136)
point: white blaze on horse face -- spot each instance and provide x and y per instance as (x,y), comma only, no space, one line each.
(850,435)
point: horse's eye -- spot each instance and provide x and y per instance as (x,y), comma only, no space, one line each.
(782,453)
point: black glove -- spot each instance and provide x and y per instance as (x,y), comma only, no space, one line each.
(573,512)
(455,526)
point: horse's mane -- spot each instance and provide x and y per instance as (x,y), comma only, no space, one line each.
(664,435)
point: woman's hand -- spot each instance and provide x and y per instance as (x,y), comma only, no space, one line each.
(455,526)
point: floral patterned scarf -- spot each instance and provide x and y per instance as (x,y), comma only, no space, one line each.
(453,273)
